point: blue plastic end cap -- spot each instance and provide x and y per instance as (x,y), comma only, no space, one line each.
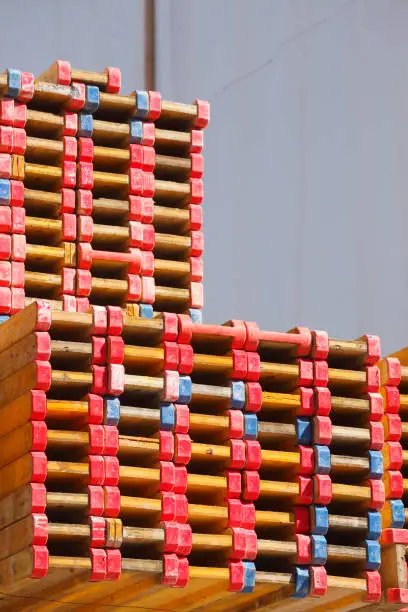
(238,396)
(374,525)
(185,390)
(319,520)
(13,83)
(303,431)
(92,99)
(167,417)
(376,464)
(142,104)
(196,315)
(319,549)
(249,577)
(85,127)
(250,426)
(135,132)
(373,555)
(397,513)
(322,459)
(5,191)
(301,580)
(111,410)
(146,311)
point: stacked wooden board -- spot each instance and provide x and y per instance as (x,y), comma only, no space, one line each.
(141,449)
(103,194)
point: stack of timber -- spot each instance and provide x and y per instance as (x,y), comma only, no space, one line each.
(102,194)
(138,454)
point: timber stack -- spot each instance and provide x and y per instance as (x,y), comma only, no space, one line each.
(142,449)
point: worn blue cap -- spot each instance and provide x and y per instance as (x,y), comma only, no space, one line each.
(13,83)
(250,426)
(319,519)
(146,311)
(301,580)
(185,390)
(142,104)
(373,555)
(92,99)
(374,525)
(322,459)
(111,410)
(238,397)
(303,431)
(85,127)
(249,577)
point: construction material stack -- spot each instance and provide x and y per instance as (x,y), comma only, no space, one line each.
(142,449)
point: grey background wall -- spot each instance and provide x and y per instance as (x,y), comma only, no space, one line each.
(306,177)
(306,207)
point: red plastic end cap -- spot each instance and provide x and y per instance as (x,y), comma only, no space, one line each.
(43,375)
(376,406)
(393,371)
(170,569)
(116,349)
(236,424)
(397,596)
(95,500)
(99,321)
(96,470)
(305,490)
(307,402)
(304,549)
(377,494)
(393,484)
(394,536)
(186,359)
(196,217)
(113,564)
(115,320)
(321,374)
(166,445)
(251,485)
(17,193)
(253,455)
(237,576)
(302,519)
(38,497)
(244,544)
(85,228)
(70,124)
(253,366)
(196,295)
(203,113)
(322,397)
(170,326)
(182,454)
(248,515)
(111,440)
(373,582)
(182,424)
(185,328)
(168,507)
(154,105)
(196,191)
(320,349)
(253,397)
(306,466)
(97,528)
(63,72)
(239,364)
(376,435)
(322,430)
(305,342)
(305,373)
(27,87)
(39,562)
(98,350)
(171,355)
(85,175)
(84,202)
(237,456)
(180,479)
(373,349)
(40,529)
(43,316)
(197,165)
(82,304)
(99,378)
(38,436)
(38,467)
(392,456)
(318,581)
(372,379)
(111,471)
(391,400)
(234,485)
(170,386)
(99,564)
(252,336)
(112,501)
(18,247)
(5,300)
(115,379)
(95,409)
(392,427)
(234,512)
(322,489)
(19,141)
(167,476)
(114,79)
(196,269)
(84,282)
(17,299)
(70,147)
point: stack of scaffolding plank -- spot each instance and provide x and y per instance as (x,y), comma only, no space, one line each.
(103,194)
